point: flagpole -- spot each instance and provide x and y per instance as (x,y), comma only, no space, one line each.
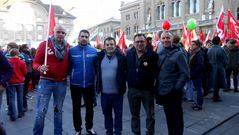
(46,48)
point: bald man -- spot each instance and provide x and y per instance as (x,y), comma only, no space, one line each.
(52,80)
(174,72)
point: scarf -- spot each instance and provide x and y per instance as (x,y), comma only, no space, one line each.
(60,49)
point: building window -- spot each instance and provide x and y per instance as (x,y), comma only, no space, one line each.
(39,28)
(237,13)
(136,15)
(158,12)
(162,12)
(178,8)
(127,30)
(39,37)
(127,17)
(136,28)
(193,6)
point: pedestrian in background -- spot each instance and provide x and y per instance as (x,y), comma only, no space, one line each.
(217,59)
(6,71)
(16,84)
(111,82)
(53,79)
(141,76)
(232,67)
(83,62)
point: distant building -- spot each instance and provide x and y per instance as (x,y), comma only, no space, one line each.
(147,15)
(27,21)
(110,27)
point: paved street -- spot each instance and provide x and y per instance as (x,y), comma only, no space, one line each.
(215,119)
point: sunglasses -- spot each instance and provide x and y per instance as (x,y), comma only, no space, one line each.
(60,32)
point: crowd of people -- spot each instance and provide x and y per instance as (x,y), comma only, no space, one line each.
(166,76)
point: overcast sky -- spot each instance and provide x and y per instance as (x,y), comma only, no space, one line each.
(90,12)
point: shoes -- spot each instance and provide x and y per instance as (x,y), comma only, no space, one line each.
(78,133)
(13,119)
(236,90)
(217,100)
(82,105)
(25,109)
(91,131)
(226,90)
(20,115)
(196,107)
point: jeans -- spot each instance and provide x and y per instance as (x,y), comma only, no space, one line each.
(11,90)
(197,83)
(146,97)
(88,95)
(189,90)
(234,72)
(45,89)
(111,102)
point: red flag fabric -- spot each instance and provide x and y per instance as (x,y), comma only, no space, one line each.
(208,36)
(185,36)
(121,43)
(220,26)
(201,35)
(51,22)
(233,27)
(97,40)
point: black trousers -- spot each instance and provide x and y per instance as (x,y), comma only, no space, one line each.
(88,96)
(173,110)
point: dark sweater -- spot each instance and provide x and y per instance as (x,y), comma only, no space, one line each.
(6,70)
(142,72)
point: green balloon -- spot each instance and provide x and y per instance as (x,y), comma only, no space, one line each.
(191,24)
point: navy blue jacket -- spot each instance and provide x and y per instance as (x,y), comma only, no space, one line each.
(6,70)
(83,62)
(121,71)
(141,74)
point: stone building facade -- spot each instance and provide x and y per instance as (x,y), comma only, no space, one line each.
(26,21)
(147,15)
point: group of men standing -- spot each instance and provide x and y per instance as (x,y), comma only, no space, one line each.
(147,74)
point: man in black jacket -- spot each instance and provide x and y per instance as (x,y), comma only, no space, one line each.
(141,74)
(111,82)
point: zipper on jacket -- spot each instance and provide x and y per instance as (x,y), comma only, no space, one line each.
(84,70)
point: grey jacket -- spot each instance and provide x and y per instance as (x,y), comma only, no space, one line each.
(173,70)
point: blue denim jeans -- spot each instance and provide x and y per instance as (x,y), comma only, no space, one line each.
(45,89)
(197,83)
(11,90)
(113,102)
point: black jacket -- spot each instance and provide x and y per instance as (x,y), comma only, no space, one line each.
(141,74)
(120,75)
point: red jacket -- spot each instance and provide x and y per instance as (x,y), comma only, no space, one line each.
(57,71)
(19,71)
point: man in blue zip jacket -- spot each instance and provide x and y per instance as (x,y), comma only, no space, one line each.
(83,62)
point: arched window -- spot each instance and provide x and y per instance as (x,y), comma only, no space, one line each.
(158,12)
(178,7)
(193,6)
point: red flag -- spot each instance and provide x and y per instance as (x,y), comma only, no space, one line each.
(122,44)
(97,40)
(208,36)
(185,37)
(51,23)
(220,25)
(201,35)
(233,27)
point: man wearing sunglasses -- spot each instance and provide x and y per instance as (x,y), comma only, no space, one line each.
(52,80)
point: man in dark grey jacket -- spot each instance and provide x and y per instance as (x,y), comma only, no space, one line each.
(173,74)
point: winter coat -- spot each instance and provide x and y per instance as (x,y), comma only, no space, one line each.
(217,58)
(233,57)
(6,70)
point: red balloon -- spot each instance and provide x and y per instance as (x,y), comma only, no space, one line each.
(166,25)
